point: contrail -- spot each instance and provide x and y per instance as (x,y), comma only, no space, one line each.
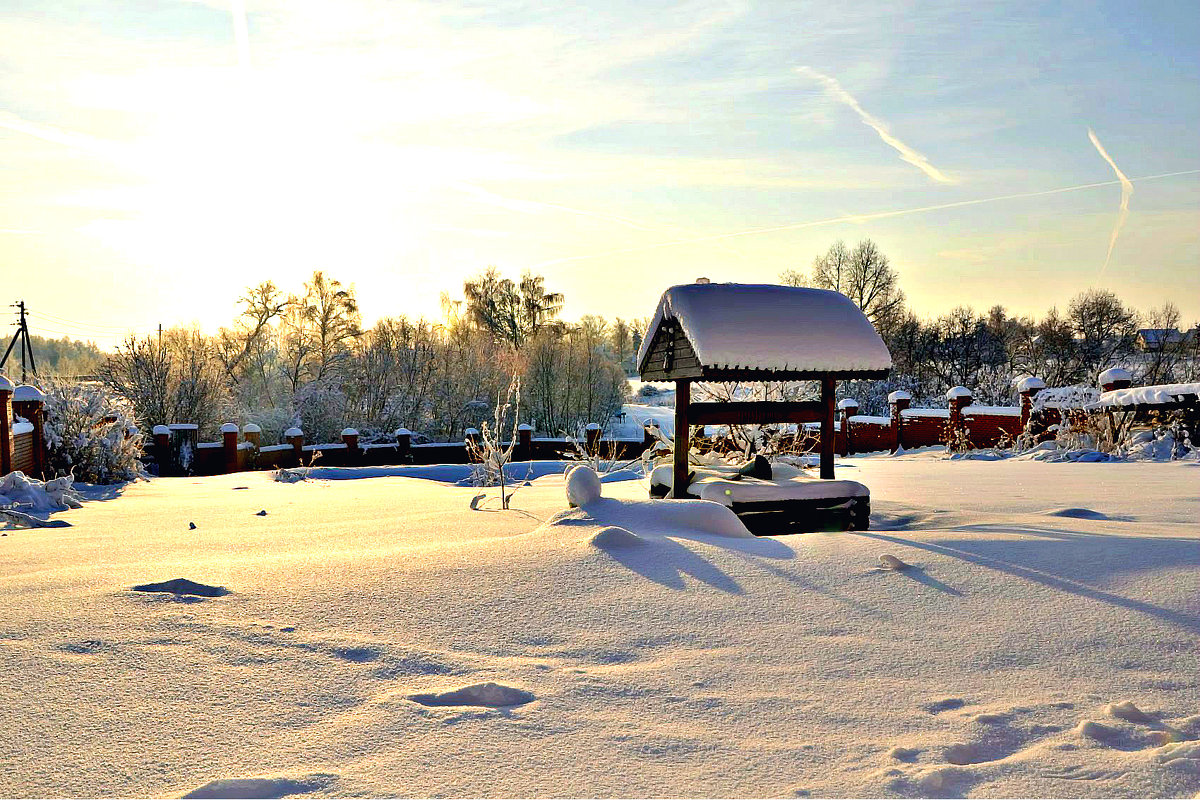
(241,33)
(853,218)
(835,90)
(1126,193)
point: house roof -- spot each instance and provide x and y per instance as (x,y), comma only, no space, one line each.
(740,331)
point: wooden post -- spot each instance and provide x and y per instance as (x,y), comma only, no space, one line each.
(848,407)
(592,438)
(295,437)
(679,473)
(827,428)
(350,439)
(252,434)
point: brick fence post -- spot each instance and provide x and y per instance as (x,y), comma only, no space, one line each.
(524,451)
(350,439)
(1115,378)
(29,402)
(1028,387)
(471,443)
(162,449)
(295,437)
(591,436)
(6,422)
(229,444)
(959,397)
(847,408)
(899,401)
(252,434)
(403,444)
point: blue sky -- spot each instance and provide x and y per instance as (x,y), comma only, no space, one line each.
(154,170)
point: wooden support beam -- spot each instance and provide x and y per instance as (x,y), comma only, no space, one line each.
(827,428)
(683,396)
(758,412)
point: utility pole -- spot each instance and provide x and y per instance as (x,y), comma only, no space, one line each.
(27,361)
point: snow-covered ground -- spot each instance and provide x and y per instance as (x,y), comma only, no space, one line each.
(379,637)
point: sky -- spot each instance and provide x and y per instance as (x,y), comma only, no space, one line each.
(158,156)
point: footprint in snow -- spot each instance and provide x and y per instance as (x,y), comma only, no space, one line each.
(494,695)
(183,586)
(264,787)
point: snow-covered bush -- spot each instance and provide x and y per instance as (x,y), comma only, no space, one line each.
(489,449)
(321,410)
(87,431)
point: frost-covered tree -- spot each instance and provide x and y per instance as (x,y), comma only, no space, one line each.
(863,274)
(90,433)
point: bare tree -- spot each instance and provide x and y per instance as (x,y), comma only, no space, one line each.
(1104,330)
(864,275)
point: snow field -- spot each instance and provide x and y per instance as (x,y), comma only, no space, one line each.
(1040,639)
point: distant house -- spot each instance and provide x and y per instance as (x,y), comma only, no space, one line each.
(1151,340)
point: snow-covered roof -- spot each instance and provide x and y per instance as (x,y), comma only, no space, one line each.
(735,326)
(5,384)
(26,394)
(229,427)
(1113,375)
(899,394)
(1029,383)
(958,391)
(1149,395)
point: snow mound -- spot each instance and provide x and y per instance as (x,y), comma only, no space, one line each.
(17,489)
(493,695)
(1127,711)
(656,518)
(583,487)
(613,538)
(183,586)
(263,787)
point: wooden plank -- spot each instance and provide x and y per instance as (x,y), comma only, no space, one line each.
(757,412)
(679,481)
(827,429)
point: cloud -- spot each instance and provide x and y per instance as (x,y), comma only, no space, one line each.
(835,90)
(1126,193)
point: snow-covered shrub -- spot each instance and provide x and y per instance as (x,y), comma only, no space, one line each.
(87,431)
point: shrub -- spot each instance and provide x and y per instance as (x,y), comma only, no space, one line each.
(90,433)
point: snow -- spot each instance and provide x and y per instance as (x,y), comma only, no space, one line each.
(592,426)
(748,490)
(1114,374)
(758,326)
(995,411)
(349,432)
(161,430)
(583,486)
(866,418)
(471,432)
(1149,395)
(899,394)
(1029,383)
(956,392)
(250,427)
(209,445)
(291,433)
(847,403)
(274,448)
(1020,652)
(182,426)
(22,427)
(942,413)
(402,432)
(524,427)
(308,448)
(5,384)
(229,427)
(26,394)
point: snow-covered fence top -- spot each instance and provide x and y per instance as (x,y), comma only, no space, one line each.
(1163,394)
(732,326)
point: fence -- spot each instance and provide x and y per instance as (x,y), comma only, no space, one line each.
(174,449)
